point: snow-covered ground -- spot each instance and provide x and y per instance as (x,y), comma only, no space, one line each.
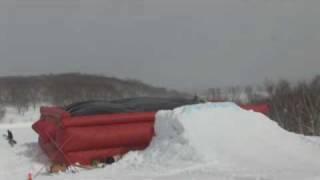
(216,141)
(12,115)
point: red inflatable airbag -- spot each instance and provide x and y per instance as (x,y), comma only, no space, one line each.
(107,136)
(46,130)
(84,139)
(110,119)
(262,108)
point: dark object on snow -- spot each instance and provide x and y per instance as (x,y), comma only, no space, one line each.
(56,168)
(10,138)
(139,104)
(109,160)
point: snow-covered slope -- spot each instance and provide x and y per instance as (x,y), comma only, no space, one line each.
(207,141)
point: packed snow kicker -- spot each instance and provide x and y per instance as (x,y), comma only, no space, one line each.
(225,133)
(222,135)
(203,141)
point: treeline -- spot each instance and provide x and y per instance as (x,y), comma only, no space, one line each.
(295,106)
(62,89)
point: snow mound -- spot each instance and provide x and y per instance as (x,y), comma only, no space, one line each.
(225,135)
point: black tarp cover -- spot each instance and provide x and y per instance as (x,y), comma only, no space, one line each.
(139,104)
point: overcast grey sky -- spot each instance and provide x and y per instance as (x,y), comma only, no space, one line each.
(183,44)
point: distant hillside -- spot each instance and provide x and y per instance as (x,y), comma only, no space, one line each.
(62,89)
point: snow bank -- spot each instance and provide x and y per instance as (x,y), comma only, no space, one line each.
(224,135)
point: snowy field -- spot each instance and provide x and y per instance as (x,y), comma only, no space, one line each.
(216,141)
(13,116)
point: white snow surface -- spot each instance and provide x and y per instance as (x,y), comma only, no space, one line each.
(218,141)
(13,116)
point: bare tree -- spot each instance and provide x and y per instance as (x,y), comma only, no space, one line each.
(295,108)
(2,112)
